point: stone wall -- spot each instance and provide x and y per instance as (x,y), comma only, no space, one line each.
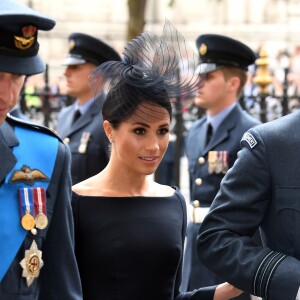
(274,23)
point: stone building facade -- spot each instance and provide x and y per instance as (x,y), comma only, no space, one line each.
(273,23)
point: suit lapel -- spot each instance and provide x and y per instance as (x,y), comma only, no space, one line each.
(7,141)
(196,141)
(225,127)
(65,123)
(85,119)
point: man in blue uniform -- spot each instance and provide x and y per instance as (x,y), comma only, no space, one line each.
(213,141)
(37,260)
(262,190)
(80,124)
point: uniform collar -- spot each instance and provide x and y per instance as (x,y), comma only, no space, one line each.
(217,119)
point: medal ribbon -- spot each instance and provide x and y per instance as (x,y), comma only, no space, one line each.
(26,201)
(225,159)
(39,199)
(85,137)
(37,150)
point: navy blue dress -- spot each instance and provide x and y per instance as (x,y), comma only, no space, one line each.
(130,248)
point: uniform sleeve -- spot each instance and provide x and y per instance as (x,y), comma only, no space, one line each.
(206,293)
(59,276)
(224,242)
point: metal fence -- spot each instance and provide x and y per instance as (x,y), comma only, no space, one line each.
(265,105)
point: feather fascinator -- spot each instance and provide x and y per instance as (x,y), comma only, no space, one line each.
(156,69)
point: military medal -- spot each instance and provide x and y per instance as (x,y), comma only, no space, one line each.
(41,221)
(225,161)
(84,142)
(39,199)
(32,263)
(27,221)
(26,204)
(212,158)
(219,162)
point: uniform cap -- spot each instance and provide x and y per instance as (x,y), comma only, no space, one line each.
(19,26)
(216,51)
(84,48)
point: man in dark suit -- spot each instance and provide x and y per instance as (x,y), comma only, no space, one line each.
(37,258)
(80,124)
(213,141)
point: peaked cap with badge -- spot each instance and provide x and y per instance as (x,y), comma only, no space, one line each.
(84,48)
(217,51)
(19,26)
(85,136)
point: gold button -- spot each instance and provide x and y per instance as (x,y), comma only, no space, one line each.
(196,203)
(198,181)
(201,160)
(67,140)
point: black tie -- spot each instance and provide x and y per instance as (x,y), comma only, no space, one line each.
(209,133)
(76,115)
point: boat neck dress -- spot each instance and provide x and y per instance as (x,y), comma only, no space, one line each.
(131,248)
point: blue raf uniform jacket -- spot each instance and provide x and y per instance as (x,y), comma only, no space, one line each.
(261,190)
(204,186)
(95,157)
(59,277)
(226,138)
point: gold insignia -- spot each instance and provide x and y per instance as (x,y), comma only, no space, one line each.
(32,263)
(203,49)
(27,40)
(71,44)
(27,176)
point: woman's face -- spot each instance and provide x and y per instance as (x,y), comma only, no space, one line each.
(140,142)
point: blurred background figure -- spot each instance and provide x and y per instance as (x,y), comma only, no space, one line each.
(213,141)
(80,124)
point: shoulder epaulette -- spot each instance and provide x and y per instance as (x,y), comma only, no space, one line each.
(31,125)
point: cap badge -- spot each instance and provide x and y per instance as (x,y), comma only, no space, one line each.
(28,176)
(26,41)
(203,49)
(71,44)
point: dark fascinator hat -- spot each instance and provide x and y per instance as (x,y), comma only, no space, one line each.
(155,69)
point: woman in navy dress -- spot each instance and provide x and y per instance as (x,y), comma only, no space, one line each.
(129,230)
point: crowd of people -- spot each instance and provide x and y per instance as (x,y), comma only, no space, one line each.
(84,218)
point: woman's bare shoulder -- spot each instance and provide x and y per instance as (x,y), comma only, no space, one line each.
(85,187)
(163,190)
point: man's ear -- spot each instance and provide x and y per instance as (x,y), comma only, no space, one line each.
(234,83)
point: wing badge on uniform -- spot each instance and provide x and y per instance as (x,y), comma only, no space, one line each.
(28,176)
